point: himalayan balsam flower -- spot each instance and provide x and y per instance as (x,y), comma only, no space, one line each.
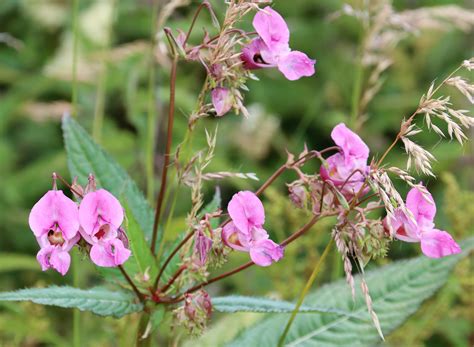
(54,221)
(271,48)
(101,215)
(221,100)
(245,232)
(353,156)
(434,243)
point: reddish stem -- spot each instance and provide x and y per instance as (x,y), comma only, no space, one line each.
(172,254)
(169,138)
(129,280)
(172,279)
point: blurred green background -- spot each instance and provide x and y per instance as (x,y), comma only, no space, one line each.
(36,50)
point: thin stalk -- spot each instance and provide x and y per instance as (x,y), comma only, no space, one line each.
(151,118)
(76,314)
(129,280)
(75,15)
(356,90)
(169,138)
(102,83)
(312,278)
(172,254)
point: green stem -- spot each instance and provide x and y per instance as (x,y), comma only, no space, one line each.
(143,338)
(75,15)
(102,83)
(303,294)
(356,90)
(76,314)
(151,118)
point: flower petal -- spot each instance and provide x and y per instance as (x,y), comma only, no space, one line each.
(295,64)
(350,143)
(252,55)
(423,210)
(54,207)
(246,211)
(437,243)
(271,27)
(101,204)
(265,252)
(54,257)
(60,260)
(110,253)
(230,237)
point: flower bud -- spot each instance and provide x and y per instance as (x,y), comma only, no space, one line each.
(298,194)
(222,100)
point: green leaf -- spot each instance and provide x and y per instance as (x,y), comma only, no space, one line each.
(139,247)
(17,262)
(397,290)
(234,304)
(100,301)
(85,156)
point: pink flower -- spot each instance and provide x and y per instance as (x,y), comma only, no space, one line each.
(55,223)
(343,166)
(245,232)
(271,48)
(434,243)
(101,215)
(221,100)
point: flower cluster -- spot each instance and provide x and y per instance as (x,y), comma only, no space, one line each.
(420,226)
(245,232)
(271,47)
(58,223)
(348,168)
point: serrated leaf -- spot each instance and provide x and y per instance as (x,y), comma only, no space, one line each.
(100,301)
(85,156)
(237,303)
(397,290)
(213,206)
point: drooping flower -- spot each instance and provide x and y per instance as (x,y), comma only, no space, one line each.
(221,100)
(271,48)
(54,221)
(347,168)
(100,216)
(434,243)
(245,232)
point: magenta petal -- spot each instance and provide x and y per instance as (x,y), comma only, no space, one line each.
(110,253)
(54,257)
(100,204)
(252,55)
(60,261)
(230,237)
(54,207)
(246,211)
(350,143)
(265,252)
(271,27)
(423,210)
(403,227)
(221,100)
(437,244)
(295,65)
